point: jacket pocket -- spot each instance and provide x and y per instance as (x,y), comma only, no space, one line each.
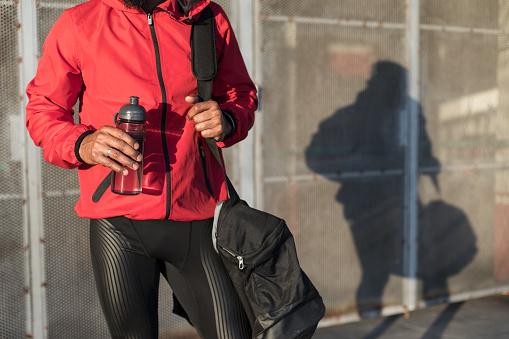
(103,186)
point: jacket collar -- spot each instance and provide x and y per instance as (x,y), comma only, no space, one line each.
(170,6)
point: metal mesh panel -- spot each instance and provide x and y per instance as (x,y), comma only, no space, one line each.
(314,73)
(384,10)
(336,128)
(12,278)
(460,98)
(72,303)
(461,13)
(351,262)
(333,142)
(12,262)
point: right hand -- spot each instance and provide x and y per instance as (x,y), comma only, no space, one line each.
(124,149)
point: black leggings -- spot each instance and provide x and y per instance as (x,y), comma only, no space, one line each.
(128,257)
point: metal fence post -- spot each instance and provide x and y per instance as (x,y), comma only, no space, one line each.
(36,323)
(246,33)
(411,156)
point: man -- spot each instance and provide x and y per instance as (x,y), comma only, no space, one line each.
(102,52)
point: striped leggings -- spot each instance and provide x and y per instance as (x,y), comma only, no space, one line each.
(128,257)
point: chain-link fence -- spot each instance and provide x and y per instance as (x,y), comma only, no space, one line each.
(381,139)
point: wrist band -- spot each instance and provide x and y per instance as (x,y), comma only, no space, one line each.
(232,123)
(78,144)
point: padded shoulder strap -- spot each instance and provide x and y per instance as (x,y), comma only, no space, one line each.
(204,64)
(203,52)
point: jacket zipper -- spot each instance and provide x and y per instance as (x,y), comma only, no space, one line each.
(163,116)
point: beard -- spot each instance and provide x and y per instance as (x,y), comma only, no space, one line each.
(138,4)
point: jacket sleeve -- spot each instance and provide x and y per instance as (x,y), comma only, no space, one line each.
(232,88)
(53,93)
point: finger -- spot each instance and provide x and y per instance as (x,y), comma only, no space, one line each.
(104,158)
(212,128)
(213,133)
(126,151)
(208,112)
(121,135)
(196,109)
(114,166)
(120,141)
(120,161)
(207,119)
(101,155)
(201,107)
(192,99)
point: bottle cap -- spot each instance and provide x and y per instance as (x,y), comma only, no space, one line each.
(132,111)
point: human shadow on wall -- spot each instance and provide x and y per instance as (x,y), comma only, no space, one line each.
(362,146)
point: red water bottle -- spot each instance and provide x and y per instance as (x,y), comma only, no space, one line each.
(131,119)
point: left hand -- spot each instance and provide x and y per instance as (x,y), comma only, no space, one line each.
(208,118)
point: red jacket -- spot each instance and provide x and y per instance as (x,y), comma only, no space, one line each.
(102,53)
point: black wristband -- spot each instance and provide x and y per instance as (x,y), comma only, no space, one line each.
(78,144)
(232,123)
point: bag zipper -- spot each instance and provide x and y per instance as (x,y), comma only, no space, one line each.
(238,257)
(269,239)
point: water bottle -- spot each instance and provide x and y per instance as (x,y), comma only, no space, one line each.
(131,119)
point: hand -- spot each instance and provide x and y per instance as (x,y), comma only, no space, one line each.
(208,118)
(112,148)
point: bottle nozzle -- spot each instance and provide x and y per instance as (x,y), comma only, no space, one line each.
(133,100)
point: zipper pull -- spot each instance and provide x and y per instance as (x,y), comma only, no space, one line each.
(238,257)
(241,262)
(150,21)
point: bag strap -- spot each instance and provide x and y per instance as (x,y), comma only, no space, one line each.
(203,52)
(204,65)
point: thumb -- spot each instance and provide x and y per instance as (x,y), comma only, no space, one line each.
(192,99)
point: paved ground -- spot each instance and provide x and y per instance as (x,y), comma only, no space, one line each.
(483,318)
